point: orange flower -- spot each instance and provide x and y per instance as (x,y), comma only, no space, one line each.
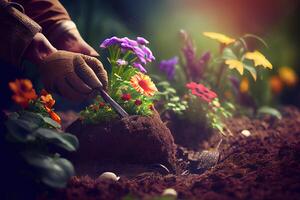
(47,99)
(53,115)
(276,84)
(23,92)
(143,84)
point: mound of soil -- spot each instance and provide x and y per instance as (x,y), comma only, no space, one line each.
(131,140)
(186,133)
(265,165)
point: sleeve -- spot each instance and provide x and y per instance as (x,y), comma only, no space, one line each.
(17,32)
(47,13)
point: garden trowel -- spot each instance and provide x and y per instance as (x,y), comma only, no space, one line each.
(97,86)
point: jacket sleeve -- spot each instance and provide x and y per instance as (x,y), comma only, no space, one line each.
(17,32)
(47,13)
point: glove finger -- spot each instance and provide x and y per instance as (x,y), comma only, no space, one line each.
(98,68)
(67,91)
(77,84)
(85,73)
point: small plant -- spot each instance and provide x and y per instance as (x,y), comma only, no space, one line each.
(34,132)
(227,74)
(128,83)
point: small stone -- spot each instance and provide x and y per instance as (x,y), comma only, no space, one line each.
(169,192)
(246,133)
(109,176)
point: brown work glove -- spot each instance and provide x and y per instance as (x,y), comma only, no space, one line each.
(72,75)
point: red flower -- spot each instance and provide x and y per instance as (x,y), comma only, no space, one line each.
(101,104)
(126,97)
(138,102)
(201,91)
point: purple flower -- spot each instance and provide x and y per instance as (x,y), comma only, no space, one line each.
(169,66)
(137,47)
(148,54)
(142,41)
(111,41)
(121,62)
(139,66)
(194,66)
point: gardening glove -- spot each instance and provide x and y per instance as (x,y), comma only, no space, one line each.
(65,36)
(72,75)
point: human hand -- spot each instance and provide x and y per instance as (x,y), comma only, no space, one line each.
(72,75)
(65,36)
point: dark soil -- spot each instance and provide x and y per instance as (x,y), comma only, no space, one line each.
(186,133)
(265,165)
(133,140)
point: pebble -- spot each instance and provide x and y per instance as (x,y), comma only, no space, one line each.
(169,192)
(246,133)
(109,176)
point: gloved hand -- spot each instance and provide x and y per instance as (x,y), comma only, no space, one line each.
(72,75)
(65,36)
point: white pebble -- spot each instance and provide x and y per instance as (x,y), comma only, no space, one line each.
(109,176)
(169,192)
(246,133)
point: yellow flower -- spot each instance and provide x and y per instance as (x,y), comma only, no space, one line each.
(219,37)
(244,85)
(288,76)
(235,64)
(259,59)
(143,84)
(47,99)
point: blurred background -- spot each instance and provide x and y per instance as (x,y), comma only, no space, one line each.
(276,21)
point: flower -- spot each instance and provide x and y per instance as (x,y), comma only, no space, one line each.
(142,41)
(235,64)
(47,99)
(101,104)
(143,84)
(276,84)
(259,59)
(121,62)
(194,66)
(23,92)
(169,67)
(126,97)
(53,115)
(137,47)
(139,66)
(201,91)
(138,102)
(244,85)
(223,39)
(288,76)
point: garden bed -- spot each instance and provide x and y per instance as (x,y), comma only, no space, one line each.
(265,165)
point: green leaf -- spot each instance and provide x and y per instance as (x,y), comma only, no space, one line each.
(228,54)
(54,172)
(252,71)
(31,117)
(66,141)
(21,129)
(265,110)
(51,122)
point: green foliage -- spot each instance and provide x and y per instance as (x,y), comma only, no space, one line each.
(170,100)
(32,135)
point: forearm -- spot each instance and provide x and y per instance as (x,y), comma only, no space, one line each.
(17,33)
(47,13)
